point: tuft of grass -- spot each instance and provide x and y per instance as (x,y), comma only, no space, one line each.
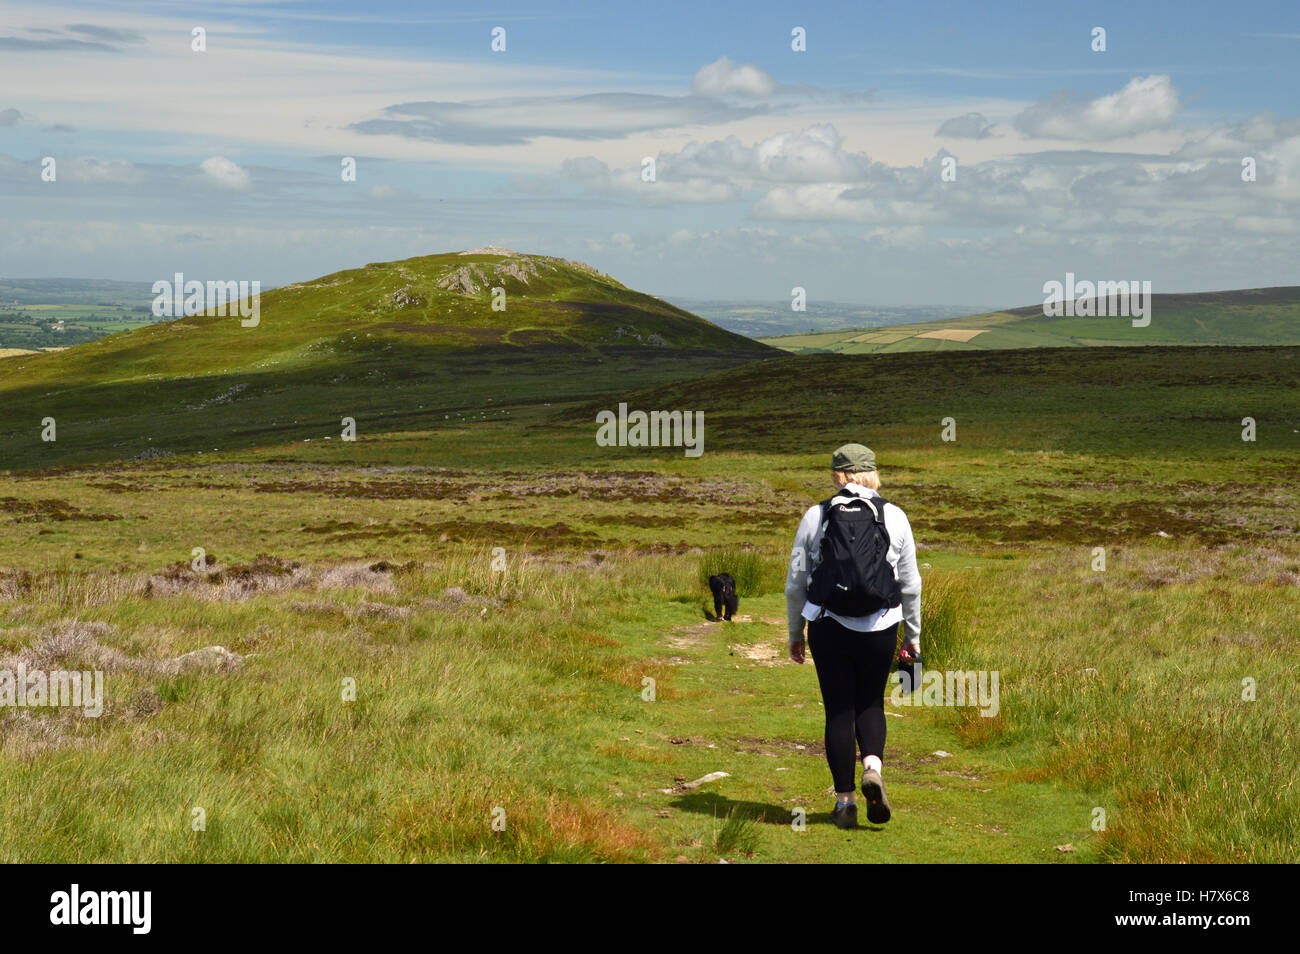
(747,567)
(738,835)
(947,607)
(755,571)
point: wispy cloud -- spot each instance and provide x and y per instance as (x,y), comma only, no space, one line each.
(721,92)
(82,37)
(105,34)
(520,120)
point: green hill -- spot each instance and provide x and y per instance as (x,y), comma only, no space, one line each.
(1254,316)
(392,342)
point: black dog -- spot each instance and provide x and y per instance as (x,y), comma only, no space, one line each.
(724,594)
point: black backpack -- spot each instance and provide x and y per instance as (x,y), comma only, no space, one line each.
(854,577)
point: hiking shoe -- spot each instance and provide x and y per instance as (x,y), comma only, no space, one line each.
(873,786)
(845,815)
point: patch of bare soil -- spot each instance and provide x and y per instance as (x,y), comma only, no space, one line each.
(969,776)
(668,661)
(691,637)
(360,489)
(641,487)
(49,509)
(755,746)
(1212,524)
(456,531)
(766,654)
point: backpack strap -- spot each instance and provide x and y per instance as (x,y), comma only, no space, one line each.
(826,509)
(876,503)
(880,503)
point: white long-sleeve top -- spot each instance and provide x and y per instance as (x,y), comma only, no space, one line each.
(902,557)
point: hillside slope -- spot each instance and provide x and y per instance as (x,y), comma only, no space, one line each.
(389,343)
(1129,402)
(1253,316)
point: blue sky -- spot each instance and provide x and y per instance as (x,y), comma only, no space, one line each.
(774,168)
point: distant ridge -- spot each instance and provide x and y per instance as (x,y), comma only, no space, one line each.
(1248,316)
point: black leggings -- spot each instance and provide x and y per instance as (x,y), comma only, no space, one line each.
(852,669)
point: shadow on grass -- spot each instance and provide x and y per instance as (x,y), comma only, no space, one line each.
(711,803)
(712,618)
(721,807)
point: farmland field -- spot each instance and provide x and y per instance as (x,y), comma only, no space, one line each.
(42,314)
(1256,316)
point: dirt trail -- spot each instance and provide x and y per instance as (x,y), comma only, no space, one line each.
(738,705)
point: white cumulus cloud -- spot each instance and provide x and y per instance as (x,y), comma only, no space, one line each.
(815,154)
(226,173)
(1144,104)
(723,77)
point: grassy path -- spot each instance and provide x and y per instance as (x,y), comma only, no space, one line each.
(728,700)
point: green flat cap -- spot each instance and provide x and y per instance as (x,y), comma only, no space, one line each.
(853,458)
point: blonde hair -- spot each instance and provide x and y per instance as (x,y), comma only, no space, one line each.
(863,478)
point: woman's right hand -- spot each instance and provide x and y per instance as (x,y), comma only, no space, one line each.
(796,652)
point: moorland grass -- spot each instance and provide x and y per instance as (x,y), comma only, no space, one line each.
(525,689)
(753,571)
(521,688)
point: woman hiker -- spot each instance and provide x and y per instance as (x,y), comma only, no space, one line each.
(853,578)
